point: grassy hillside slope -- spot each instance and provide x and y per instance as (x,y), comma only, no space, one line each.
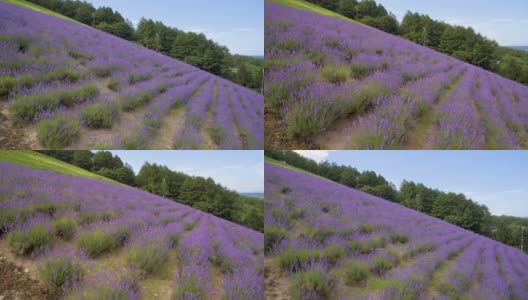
(35,160)
(38,8)
(312,7)
(285,165)
(324,240)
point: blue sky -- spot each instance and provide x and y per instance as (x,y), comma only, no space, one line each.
(242,171)
(497,179)
(237,24)
(505,21)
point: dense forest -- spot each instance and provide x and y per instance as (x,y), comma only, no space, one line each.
(192,48)
(450,207)
(201,193)
(458,41)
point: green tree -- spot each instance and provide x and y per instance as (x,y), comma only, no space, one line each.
(105,159)
(192,191)
(83,159)
(106,14)
(347,8)
(349,177)
(84,13)
(146,33)
(243,75)
(254,218)
(453,40)
(184,45)
(68,8)
(151,177)
(125,175)
(123,30)
(388,24)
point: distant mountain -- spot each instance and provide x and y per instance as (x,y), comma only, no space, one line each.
(525,48)
(258,56)
(254,195)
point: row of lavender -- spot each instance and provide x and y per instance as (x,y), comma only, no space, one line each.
(322,70)
(363,247)
(95,88)
(148,228)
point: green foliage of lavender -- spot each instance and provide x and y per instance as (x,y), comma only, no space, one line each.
(25,242)
(65,227)
(59,132)
(96,243)
(60,273)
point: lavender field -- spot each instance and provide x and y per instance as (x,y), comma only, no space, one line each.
(337,84)
(71,86)
(90,239)
(324,240)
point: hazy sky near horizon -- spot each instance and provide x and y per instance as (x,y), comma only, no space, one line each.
(505,21)
(237,24)
(242,171)
(497,179)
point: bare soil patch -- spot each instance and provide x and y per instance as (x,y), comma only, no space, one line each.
(170,126)
(339,135)
(276,286)
(17,283)
(14,138)
(275,137)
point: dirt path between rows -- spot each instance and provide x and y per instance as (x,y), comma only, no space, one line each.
(424,134)
(276,286)
(169,129)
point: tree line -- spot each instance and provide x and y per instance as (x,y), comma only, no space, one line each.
(199,192)
(454,208)
(192,48)
(457,41)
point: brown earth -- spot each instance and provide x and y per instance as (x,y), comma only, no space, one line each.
(275,285)
(173,123)
(12,137)
(275,137)
(16,283)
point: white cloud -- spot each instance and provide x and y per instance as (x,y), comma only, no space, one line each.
(317,155)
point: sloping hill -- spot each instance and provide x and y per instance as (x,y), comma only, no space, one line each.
(35,160)
(336,84)
(324,240)
(69,85)
(36,7)
(89,239)
(301,4)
